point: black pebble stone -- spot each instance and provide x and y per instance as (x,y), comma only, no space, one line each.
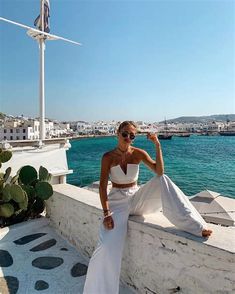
(5,258)
(78,270)
(64,249)
(44,245)
(47,262)
(28,238)
(41,285)
(9,285)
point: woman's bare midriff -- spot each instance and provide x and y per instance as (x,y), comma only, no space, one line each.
(124,185)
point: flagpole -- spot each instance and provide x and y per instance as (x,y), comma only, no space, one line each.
(42,89)
(42,79)
(41,36)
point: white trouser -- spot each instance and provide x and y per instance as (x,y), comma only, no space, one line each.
(158,193)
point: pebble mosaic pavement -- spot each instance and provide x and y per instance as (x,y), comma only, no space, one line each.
(35,259)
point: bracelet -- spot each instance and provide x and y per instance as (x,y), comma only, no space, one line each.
(106,211)
(108,215)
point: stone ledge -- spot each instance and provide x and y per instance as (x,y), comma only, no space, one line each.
(222,237)
(157,257)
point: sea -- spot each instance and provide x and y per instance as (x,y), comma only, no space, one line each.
(194,163)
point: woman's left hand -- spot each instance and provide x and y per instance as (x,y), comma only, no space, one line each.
(153,137)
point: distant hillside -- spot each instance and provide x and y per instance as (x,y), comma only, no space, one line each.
(2,115)
(202,119)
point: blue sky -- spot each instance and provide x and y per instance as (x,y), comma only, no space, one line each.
(140,60)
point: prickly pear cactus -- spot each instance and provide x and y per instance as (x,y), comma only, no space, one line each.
(14,179)
(22,196)
(6,210)
(43,190)
(43,174)
(5,156)
(24,204)
(27,174)
(7,174)
(30,191)
(6,193)
(38,206)
(17,193)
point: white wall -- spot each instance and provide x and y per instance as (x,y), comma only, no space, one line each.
(157,257)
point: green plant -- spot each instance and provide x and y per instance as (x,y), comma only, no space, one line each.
(23,195)
(5,155)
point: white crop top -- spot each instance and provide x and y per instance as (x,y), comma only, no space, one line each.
(118,176)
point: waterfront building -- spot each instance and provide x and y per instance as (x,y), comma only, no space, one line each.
(29,129)
(213,127)
(83,128)
(20,130)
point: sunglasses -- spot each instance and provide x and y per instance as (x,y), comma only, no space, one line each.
(126,134)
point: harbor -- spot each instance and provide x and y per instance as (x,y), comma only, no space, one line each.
(65,91)
(70,224)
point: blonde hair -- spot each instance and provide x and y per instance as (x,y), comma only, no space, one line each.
(127,123)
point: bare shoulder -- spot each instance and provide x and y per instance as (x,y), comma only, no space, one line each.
(140,153)
(107,157)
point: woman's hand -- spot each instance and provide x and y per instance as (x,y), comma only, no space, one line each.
(108,222)
(153,137)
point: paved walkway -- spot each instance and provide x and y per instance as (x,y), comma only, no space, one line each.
(35,259)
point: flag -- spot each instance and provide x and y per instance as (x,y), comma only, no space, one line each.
(37,22)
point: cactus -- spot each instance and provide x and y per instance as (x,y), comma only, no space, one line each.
(7,174)
(6,210)
(43,190)
(24,204)
(6,193)
(22,196)
(38,206)
(5,156)
(14,179)
(29,190)
(17,193)
(43,174)
(27,174)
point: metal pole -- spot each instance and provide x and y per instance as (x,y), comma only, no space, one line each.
(42,90)
(41,79)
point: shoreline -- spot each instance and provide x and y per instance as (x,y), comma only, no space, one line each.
(175,134)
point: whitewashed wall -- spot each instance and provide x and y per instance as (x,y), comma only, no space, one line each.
(157,257)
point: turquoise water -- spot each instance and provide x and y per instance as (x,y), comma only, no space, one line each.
(194,164)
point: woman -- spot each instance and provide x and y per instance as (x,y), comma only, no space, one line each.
(121,165)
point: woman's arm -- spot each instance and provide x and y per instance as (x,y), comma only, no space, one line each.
(158,165)
(104,175)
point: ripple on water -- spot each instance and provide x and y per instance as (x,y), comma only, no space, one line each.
(194,164)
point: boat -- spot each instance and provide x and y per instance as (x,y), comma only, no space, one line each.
(229,129)
(227,133)
(165,135)
(183,135)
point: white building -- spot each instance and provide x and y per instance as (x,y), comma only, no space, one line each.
(229,126)
(30,130)
(16,130)
(83,128)
(213,126)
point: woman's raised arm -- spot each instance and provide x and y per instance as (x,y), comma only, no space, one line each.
(158,165)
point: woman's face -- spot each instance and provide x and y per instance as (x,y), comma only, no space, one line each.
(127,134)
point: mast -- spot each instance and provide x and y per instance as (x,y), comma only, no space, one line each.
(42,78)
(41,36)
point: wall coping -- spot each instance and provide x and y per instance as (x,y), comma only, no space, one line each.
(222,237)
